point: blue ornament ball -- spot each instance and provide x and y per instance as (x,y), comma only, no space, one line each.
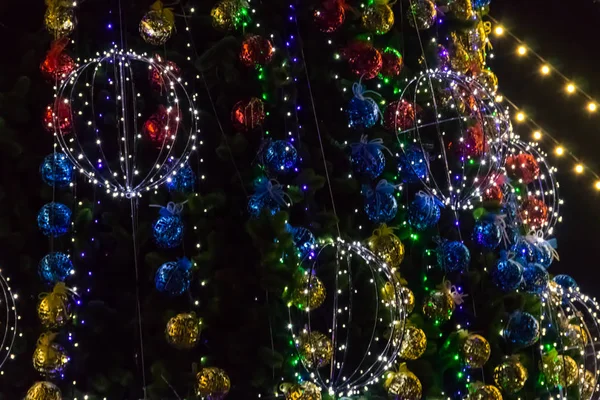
(424,212)
(258,203)
(280,157)
(412,165)
(362,113)
(507,275)
(522,329)
(535,279)
(370,163)
(453,256)
(57,170)
(54,219)
(487,234)
(544,253)
(173,278)
(566,282)
(381,207)
(168,231)
(304,240)
(478,4)
(525,251)
(183,181)
(55,267)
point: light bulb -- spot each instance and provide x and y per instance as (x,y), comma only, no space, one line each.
(559,151)
(579,168)
(537,135)
(592,107)
(522,50)
(545,69)
(499,31)
(520,117)
(570,88)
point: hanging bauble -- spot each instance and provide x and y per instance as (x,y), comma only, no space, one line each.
(330,15)
(183,180)
(57,170)
(522,329)
(227,15)
(485,392)
(387,246)
(453,256)
(399,116)
(524,250)
(309,293)
(559,370)
(422,14)
(161,127)
(473,144)
(368,158)
(380,204)
(212,383)
(363,112)
(588,388)
(546,252)
(60,21)
(43,391)
(476,351)
(460,60)
(58,64)
(413,343)
(364,60)
(408,299)
(247,115)
(523,167)
(378,18)
(280,157)
(493,193)
(534,213)
(487,233)
(510,376)
(167,229)
(55,267)
(158,24)
(183,331)
(575,337)
(315,349)
(507,273)
(439,305)
(403,385)
(462,9)
(173,278)
(479,4)
(49,358)
(304,240)
(392,63)
(269,196)
(58,119)
(54,309)
(162,72)
(412,164)
(566,282)
(535,279)
(301,391)
(256,51)
(54,219)
(424,211)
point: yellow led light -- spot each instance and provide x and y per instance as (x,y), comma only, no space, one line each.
(579,168)
(522,50)
(537,135)
(597,185)
(545,69)
(559,151)
(570,88)
(499,31)
(592,107)
(520,117)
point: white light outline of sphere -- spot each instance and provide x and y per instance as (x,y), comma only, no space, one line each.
(498,144)
(397,312)
(114,186)
(10,329)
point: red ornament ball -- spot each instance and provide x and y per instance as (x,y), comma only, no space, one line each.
(56,67)
(330,16)
(58,118)
(162,126)
(256,50)
(365,60)
(534,213)
(158,79)
(474,144)
(493,193)
(399,116)
(523,166)
(392,63)
(248,114)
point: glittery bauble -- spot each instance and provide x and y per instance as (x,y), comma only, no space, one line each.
(227,15)
(476,351)
(478,4)
(304,240)
(173,278)
(330,16)
(57,66)
(63,123)
(381,207)
(487,234)
(315,349)
(588,388)
(246,115)
(362,113)
(54,219)
(378,18)
(365,61)
(389,248)
(54,311)
(159,78)
(524,251)
(183,181)
(55,267)
(43,391)
(461,9)
(561,370)
(412,165)
(535,279)
(493,193)
(310,292)
(60,21)
(256,50)
(392,63)
(453,256)
(303,391)
(183,331)
(404,385)
(575,337)
(507,274)
(486,392)
(473,144)
(156,28)
(439,306)
(56,170)
(522,329)
(408,299)
(566,282)
(510,376)
(424,212)
(534,213)
(422,14)
(544,253)
(256,204)
(50,360)
(399,116)
(161,126)
(523,167)
(369,163)
(460,60)
(280,157)
(212,383)
(167,231)
(413,344)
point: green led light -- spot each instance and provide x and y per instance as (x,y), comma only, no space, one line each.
(460,375)
(456,357)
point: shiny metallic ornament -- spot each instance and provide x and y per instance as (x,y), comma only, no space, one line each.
(476,351)
(301,391)
(413,343)
(408,299)
(510,376)
(462,9)
(310,292)
(54,309)
(439,306)
(378,18)
(403,385)
(387,246)
(212,384)
(228,15)
(156,27)
(60,21)
(316,349)
(183,331)
(588,388)
(49,358)
(576,336)
(560,370)
(43,391)
(486,392)
(422,14)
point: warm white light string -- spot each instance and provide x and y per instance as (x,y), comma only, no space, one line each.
(9,321)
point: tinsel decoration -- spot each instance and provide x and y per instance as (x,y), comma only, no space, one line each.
(183,331)
(479,391)
(55,267)
(54,219)
(413,343)
(476,350)
(60,19)
(269,196)
(422,14)
(61,122)
(301,391)
(380,204)
(161,125)
(440,304)
(247,115)
(534,213)
(424,211)
(453,256)
(378,17)
(256,50)
(58,64)
(522,330)
(363,112)
(43,391)
(461,9)
(507,273)
(212,383)
(535,279)
(315,349)
(387,246)
(559,370)
(56,170)
(304,240)
(309,293)
(368,158)
(167,229)
(364,60)
(158,24)
(393,63)
(54,309)
(227,15)
(510,376)
(330,16)
(403,385)
(280,157)
(566,282)
(412,165)
(156,75)
(49,358)
(173,278)
(523,167)
(399,116)
(183,181)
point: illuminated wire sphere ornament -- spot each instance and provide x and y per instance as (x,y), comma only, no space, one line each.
(8,320)
(462,164)
(43,391)
(256,50)
(173,278)
(105,142)
(329,332)
(54,219)
(183,331)
(158,24)
(212,383)
(57,170)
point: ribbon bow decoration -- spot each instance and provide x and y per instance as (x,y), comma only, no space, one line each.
(536,238)
(511,258)
(271,188)
(171,209)
(45,342)
(59,295)
(448,287)
(383,188)
(166,12)
(359,92)
(368,149)
(428,202)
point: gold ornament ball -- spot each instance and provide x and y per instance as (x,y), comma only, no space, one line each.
(304,391)
(310,292)
(576,336)
(422,14)
(378,18)
(486,392)
(43,391)
(588,388)
(414,343)
(439,306)
(156,28)
(50,361)
(226,15)
(315,349)
(60,21)
(183,331)
(212,383)
(404,385)
(54,314)
(389,248)
(408,299)
(561,371)
(510,376)
(476,351)
(460,60)
(462,9)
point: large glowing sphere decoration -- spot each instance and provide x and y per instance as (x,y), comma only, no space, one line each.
(348,341)
(125,134)
(8,320)
(458,123)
